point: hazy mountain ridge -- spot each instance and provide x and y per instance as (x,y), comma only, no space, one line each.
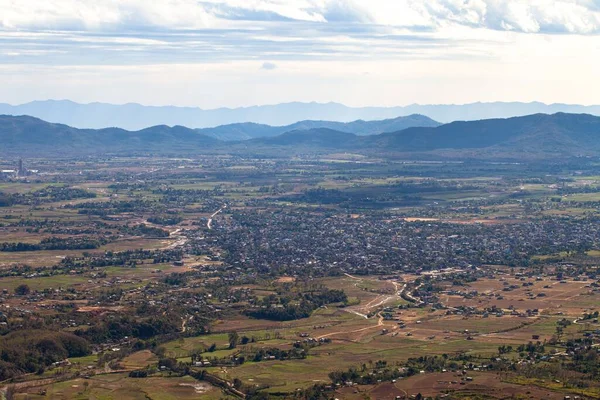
(25,133)
(319,138)
(560,132)
(250,130)
(136,116)
(538,135)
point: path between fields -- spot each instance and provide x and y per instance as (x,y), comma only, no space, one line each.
(353,277)
(379,325)
(181,240)
(376,302)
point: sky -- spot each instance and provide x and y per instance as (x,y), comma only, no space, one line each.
(231,53)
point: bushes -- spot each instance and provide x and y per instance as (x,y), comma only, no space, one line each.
(139,374)
(145,230)
(288,313)
(165,220)
(116,328)
(56,243)
(22,290)
(308,303)
(47,195)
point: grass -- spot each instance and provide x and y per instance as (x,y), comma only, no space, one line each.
(139,360)
(121,387)
(287,376)
(183,348)
(50,282)
(85,361)
(583,197)
(592,392)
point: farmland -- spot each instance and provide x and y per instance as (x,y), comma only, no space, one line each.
(335,276)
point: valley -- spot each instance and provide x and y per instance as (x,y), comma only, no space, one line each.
(221,276)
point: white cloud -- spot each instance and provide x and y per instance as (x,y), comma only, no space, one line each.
(567,16)
(413,50)
(102,14)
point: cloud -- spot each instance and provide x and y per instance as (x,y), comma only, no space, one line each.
(145,33)
(557,16)
(535,16)
(104,15)
(269,66)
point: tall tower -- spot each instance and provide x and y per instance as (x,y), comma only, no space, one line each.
(21,171)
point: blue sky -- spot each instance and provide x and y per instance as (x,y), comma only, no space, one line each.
(244,52)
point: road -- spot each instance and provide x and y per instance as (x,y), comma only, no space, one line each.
(379,325)
(180,239)
(210,220)
(375,303)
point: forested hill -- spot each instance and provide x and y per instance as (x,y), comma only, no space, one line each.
(248,130)
(24,134)
(539,135)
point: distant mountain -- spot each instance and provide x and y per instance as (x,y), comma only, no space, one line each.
(560,133)
(136,116)
(535,136)
(538,135)
(313,138)
(249,130)
(24,134)
(477,111)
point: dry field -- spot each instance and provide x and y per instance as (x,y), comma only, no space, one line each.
(120,387)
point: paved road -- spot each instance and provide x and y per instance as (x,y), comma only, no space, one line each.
(210,220)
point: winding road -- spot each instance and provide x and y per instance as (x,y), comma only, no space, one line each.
(210,220)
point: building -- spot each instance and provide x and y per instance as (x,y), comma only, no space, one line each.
(8,173)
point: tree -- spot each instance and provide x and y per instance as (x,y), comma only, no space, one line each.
(160,352)
(559,333)
(22,290)
(233,340)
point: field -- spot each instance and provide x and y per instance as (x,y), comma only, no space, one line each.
(357,341)
(272,273)
(118,386)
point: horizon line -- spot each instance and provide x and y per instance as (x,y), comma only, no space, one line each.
(298,102)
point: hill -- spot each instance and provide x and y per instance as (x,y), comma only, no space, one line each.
(563,134)
(24,134)
(319,138)
(534,136)
(249,130)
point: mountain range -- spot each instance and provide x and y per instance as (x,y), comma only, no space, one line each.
(250,130)
(136,116)
(27,135)
(534,136)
